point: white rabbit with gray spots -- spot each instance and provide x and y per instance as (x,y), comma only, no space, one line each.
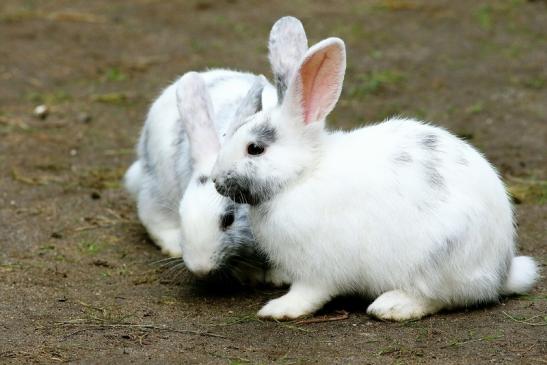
(177,202)
(402,212)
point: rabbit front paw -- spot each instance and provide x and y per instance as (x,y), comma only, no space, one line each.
(298,302)
(169,240)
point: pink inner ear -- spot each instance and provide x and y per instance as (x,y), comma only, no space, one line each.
(320,77)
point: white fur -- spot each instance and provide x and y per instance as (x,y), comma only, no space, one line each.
(132,179)
(421,223)
(180,215)
(522,275)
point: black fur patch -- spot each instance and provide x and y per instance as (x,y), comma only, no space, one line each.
(237,190)
(245,190)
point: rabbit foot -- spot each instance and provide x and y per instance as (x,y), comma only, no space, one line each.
(169,240)
(298,302)
(396,305)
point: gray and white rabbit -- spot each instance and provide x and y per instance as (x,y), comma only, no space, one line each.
(177,202)
(401,211)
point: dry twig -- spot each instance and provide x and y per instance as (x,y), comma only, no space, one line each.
(526,321)
(342,315)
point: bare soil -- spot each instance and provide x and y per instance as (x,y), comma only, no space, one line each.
(77,279)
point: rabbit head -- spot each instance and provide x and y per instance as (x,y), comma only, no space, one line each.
(214,229)
(272,148)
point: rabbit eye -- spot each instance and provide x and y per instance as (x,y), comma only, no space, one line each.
(227,220)
(254,150)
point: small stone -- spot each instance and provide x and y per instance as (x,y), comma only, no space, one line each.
(56,235)
(95,195)
(84,117)
(101,263)
(41,111)
(73,152)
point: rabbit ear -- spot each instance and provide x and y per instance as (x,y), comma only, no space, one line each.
(252,102)
(250,105)
(287,46)
(316,85)
(196,112)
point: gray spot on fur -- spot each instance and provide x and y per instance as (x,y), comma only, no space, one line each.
(449,247)
(265,134)
(430,141)
(281,87)
(180,134)
(442,254)
(252,102)
(148,164)
(203,179)
(434,177)
(403,157)
(463,161)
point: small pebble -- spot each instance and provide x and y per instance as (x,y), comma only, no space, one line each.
(56,235)
(95,195)
(84,117)
(73,152)
(148,313)
(41,111)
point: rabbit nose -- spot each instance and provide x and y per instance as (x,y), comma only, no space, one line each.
(200,270)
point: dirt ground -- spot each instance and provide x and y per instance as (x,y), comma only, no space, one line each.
(78,281)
